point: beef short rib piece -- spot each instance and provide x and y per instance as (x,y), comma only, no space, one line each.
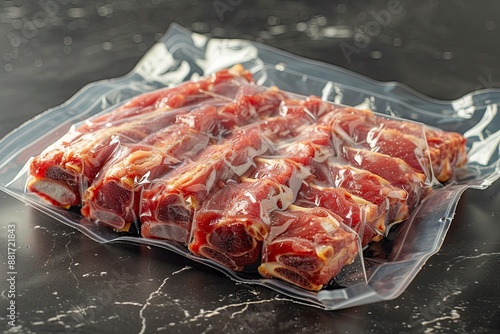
(367,185)
(307,247)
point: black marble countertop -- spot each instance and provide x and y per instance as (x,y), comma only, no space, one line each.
(68,283)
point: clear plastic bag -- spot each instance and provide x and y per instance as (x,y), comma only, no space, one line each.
(181,55)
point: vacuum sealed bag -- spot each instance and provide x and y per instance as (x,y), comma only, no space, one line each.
(276,170)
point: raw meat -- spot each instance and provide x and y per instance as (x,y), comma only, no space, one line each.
(222,84)
(63,171)
(362,129)
(394,170)
(307,247)
(114,197)
(357,213)
(168,204)
(367,185)
(230,227)
(221,226)
(421,147)
(253,178)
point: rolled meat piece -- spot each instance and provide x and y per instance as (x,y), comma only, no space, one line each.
(362,216)
(225,82)
(307,247)
(229,227)
(394,170)
(367,185)
(447,151)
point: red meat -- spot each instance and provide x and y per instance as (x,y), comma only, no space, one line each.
(137,165)
(244,218)
(246,176)
(75,163)
(230,226)
(168,204)
(77,157)
(369,186)
(361,215)
(224,83)
(307,247)
(421,147)
(394,170)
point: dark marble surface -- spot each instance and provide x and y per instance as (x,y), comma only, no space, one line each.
(68,283)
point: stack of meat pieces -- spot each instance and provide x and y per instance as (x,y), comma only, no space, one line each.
(248,176)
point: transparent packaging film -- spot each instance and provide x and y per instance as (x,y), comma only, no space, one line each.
(282,178)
